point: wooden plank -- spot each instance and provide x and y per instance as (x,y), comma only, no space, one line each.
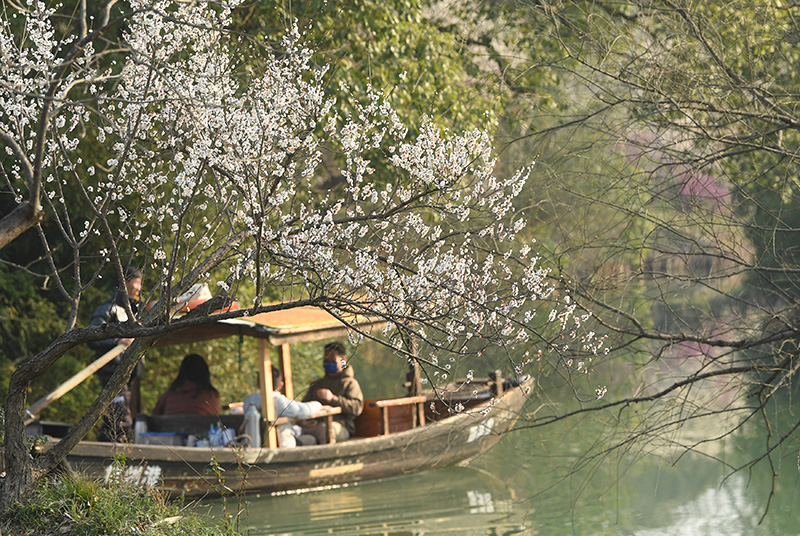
(385,420)
(71,383)
(299,324)
(265,386)
(308,336)
(336,470)
(285,358)
(327,418)
(207,332)
(331,433)
(378,421)
(399,416)
(498,383)
(331,412)
(404,401)
(296,319)
(415,387)
(415,383)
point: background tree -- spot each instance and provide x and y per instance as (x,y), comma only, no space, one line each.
(673,177)
(202,164)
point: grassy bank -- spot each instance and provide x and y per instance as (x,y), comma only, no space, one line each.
(74,505)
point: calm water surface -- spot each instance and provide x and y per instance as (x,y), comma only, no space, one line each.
(534,482)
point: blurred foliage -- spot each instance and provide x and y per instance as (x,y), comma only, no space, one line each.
(395,46)
(650,97)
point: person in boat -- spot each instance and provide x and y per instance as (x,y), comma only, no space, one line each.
(118,419)
(191,393)
(338,388)
(290,434)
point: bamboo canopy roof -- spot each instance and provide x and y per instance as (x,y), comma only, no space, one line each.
(288,326)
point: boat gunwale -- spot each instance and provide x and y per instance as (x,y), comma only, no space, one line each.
(352,447)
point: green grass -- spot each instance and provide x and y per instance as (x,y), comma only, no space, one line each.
(79,506)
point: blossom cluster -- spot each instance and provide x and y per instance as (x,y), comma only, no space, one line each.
(207,161)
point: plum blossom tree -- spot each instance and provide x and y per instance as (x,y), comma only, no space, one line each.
(147,137)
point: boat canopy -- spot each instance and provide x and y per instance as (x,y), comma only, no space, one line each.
(276,329)
(287,326)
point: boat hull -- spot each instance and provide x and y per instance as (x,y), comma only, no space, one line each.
(195,471)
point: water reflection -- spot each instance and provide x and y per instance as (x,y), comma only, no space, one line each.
(644,491)
(450,501)
(725,510)
(534,482)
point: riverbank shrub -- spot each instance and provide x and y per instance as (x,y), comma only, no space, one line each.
(76,505)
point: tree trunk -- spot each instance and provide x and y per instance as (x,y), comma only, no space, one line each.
(21,475)
(14,490)
(24,472)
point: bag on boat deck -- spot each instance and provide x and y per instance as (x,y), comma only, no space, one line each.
(217,437)
(220,437)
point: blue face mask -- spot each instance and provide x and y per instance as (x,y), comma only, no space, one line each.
(330,367)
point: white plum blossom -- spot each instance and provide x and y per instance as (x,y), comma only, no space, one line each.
(203,163)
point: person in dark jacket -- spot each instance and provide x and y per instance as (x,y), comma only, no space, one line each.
(338,388)
(118,419)
(191,393)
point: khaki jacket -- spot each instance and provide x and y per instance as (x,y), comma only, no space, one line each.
(347,395)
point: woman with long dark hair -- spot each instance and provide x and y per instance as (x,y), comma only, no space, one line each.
(191,393)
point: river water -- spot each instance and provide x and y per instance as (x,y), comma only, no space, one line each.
(539,481)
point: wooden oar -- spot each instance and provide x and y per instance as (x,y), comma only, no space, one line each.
(36,408)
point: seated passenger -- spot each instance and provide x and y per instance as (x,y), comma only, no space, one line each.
(339,388)
(285,407)
(191,393)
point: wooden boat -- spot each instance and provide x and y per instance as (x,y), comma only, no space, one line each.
(393,436)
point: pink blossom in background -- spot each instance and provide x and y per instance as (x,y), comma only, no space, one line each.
(702,187)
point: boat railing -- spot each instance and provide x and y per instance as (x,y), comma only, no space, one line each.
(418,416)
(494,382)
(385,416)
(327,418)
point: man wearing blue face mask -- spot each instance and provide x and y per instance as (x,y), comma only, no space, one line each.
(337,388)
